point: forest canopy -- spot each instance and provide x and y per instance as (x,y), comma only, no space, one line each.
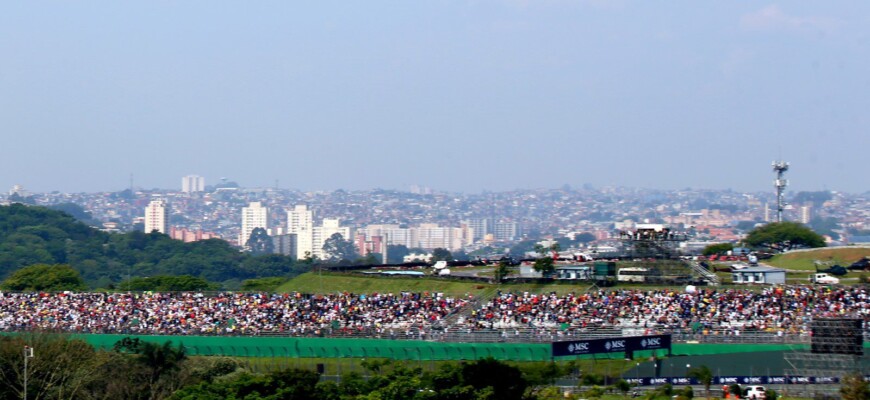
(32,235)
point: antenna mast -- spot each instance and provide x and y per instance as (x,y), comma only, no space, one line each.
(780,167)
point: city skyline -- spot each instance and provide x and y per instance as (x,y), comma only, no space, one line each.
(464,96)
(212,184)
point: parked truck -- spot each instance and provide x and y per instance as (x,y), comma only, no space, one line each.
(823,278)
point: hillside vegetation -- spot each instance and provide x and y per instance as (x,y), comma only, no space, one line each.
(804,260)
(32,235)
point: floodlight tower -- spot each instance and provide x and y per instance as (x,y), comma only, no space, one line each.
(780,167)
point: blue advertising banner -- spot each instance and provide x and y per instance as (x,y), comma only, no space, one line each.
(627,344)
(740,380)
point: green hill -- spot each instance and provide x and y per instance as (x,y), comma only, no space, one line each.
(804,260)
(36,235)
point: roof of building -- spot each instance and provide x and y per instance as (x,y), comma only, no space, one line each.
(761,268)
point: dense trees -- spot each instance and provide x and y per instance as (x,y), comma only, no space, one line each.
(481,379)
(784,236)
(704,375)
(502,270)
(396,253)
(260,242)
(337,249)
(441,254)
(32,235)
(173,283)
(718,248)
(545,263)
(43,277)
(854,387)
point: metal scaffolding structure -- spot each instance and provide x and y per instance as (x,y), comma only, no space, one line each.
(651,241)
(836,350)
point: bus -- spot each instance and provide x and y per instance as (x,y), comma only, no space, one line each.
(632,274)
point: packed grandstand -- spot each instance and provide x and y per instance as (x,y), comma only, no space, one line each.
(778,310)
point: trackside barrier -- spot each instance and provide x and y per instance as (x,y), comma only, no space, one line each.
(238,346)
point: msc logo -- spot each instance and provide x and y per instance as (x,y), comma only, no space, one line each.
(578,347)
(776,379)
(728,379)
(614,344)
(825,379)
(658,381)
(651,342)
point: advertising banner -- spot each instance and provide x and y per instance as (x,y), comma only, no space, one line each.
(627,344)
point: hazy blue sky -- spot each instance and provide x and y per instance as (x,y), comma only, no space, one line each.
(454,95)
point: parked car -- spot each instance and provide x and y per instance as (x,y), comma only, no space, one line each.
(860,265)
(823,278)
(754,392)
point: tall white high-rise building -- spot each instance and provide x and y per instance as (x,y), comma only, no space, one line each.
(319,234)
(192,183)
(255,215)
(806,214)
(300,221)
(155,217)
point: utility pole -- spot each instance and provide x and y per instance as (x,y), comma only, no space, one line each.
(28,353)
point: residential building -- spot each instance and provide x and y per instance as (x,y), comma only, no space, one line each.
(506,231)
(192,184)
(186,235)
(155,217)
(367,245)
(425,236)
(319,234)
(285,244)
(481,227)
(806,214)
(255,215)
(300,221)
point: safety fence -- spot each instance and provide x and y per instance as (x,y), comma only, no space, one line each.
(544,335)
(274,347)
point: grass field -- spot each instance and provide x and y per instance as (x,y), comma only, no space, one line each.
(314,282)
(804,260)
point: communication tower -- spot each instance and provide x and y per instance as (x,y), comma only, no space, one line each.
(780,167)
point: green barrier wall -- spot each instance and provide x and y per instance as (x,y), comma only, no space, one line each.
(338,348)
(246,346)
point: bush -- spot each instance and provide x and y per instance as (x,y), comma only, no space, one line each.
(594,393)
(686,393)
(591,379)
(44,277)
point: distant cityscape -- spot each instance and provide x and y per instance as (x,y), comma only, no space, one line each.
(300,222)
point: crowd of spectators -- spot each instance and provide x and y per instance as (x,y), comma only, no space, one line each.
(777,309)
(222,313)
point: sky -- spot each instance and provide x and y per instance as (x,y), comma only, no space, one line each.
(462,96)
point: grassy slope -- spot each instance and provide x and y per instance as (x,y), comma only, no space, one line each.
(335,282)
(804,260)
